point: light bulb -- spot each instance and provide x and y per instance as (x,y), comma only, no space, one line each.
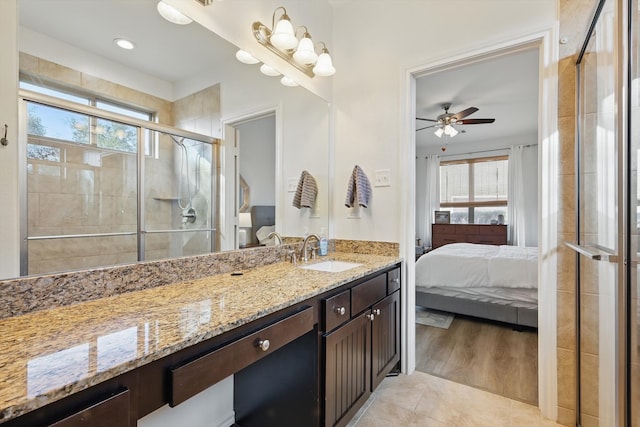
(439,132)
(288,81)
(245,57)
(283,36)
(268,71)
(305,53)
(172,14)
(324,67)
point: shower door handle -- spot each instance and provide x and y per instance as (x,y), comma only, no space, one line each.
(592,253)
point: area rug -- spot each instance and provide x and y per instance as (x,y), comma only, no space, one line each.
(439,319)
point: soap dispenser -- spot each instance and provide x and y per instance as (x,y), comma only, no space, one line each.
(324,243)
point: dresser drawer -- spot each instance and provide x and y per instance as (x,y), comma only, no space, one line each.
(467,229)
(368,293)
(393,281)
(337,310)
(110,412)
(494,230)
(194,376)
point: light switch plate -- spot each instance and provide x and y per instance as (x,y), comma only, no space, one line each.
(292,185)
(382,178)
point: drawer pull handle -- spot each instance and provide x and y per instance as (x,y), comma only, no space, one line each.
(376,312)
(371,316)
(396,280)
(341,311)
(264,345)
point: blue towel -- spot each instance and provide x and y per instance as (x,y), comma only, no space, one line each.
(359,189)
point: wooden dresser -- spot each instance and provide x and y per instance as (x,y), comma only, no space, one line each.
(443,234)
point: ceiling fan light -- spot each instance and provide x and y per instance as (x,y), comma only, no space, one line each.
(172,14)
(305,53)
(283,36)
(324,66)
(269,71)
(450,131)
(245,57)
(439,132)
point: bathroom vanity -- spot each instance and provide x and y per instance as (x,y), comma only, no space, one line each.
(280,330)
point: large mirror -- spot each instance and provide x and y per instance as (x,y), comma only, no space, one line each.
(182,77)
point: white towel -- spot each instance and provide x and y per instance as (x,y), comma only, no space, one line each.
(359,189)
(306,192)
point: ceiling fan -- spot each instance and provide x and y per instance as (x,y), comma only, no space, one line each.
(444,122)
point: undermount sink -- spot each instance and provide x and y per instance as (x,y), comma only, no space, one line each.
(331,266)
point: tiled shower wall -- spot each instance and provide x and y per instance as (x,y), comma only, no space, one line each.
(575,17)
(94,191)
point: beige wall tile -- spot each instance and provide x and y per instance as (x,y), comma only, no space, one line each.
(589,384)
(566,320)
(566,88)
(589,323)
(566,379)
(566,416)
(566,263)
(567,212)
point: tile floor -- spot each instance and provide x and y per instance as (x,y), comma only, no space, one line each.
(423,400)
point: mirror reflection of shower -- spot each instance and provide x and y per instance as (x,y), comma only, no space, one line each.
(188,212)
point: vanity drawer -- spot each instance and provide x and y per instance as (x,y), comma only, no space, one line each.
(110,412)
(194,376)
(393,281)
(337,310)
(368,293)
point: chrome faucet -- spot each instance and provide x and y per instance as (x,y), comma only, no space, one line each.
(277,236)
(303,252)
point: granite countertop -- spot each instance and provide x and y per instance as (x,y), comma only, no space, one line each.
(49,354)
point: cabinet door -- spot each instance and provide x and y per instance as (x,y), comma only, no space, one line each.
(348,370)
(385,337)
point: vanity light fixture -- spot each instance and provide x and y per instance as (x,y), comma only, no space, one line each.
(172,14)
(124,43)
(283,41)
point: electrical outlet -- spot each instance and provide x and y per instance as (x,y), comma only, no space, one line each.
(382,178)
(292,185)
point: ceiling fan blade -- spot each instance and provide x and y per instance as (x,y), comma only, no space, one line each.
(464,113)
(426,120)
(426,127)
(474,121)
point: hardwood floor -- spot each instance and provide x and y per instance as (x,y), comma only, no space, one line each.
(486,355)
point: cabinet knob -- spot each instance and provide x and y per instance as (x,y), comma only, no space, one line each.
(341,311)
(376,312)
(371,316)
(396,280)
(264,345)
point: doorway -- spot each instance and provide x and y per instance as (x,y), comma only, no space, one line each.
(456,151)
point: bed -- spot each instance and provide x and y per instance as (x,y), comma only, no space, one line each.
(487,281)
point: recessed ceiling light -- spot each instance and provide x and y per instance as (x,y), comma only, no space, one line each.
(124,43)
(172,14)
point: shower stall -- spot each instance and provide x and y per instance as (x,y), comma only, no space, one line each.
(101,188)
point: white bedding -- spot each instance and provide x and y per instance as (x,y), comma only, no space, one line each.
(465,265)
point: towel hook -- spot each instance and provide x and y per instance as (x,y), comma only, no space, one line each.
(4,141)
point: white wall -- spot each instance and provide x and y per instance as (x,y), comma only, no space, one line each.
(9,215)
(257,140)
(368,93)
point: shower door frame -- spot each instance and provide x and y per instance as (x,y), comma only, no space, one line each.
(26,96)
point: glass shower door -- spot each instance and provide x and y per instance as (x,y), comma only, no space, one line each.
(600,225)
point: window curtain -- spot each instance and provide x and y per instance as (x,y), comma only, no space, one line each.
(432,195)
(515,207)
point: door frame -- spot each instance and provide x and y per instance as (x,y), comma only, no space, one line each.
(548,206)
(229,156)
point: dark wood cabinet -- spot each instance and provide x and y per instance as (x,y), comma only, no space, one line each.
(315,362)
(385,337)
(485,234)
(360,353)
(347,370)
